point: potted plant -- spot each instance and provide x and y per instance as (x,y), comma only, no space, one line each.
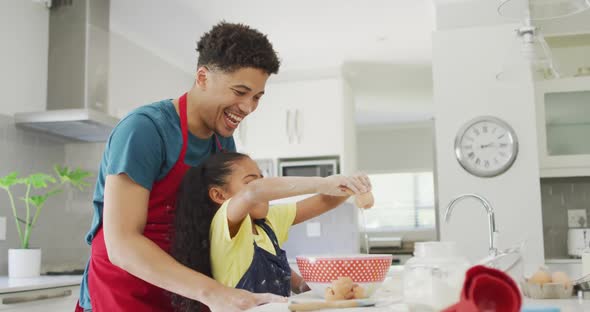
(26,261)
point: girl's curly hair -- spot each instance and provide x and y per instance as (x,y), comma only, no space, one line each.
(194,213)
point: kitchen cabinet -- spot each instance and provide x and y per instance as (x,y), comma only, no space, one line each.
(297,119)
(563,123)
(41,300)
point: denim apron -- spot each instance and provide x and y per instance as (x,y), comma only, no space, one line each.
(268,273)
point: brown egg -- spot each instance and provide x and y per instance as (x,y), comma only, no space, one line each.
(540,277)
(364,200)
(343,287)
(330,294)
(561,278)
(359,292)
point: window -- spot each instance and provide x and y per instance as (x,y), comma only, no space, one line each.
(403,201)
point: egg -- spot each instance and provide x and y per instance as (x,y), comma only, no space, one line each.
(540,277)
(343,287)
(561,278)
(359,292)
(330,294)
(364,200)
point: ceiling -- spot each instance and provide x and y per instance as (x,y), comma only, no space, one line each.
(308,34)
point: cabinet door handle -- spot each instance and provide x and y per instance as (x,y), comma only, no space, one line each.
(297,129)
(288,126)
(22,298)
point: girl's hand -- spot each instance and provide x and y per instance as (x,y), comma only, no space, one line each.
(298,284)
(338,185)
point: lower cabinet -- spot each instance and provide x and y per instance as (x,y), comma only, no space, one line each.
(56,299)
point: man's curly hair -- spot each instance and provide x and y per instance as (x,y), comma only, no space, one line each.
(229,47)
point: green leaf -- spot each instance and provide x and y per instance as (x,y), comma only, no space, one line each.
(10,180)
(35,200)
(74,177)
(39,180)
(39,200)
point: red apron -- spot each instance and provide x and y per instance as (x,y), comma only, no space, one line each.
(113,289)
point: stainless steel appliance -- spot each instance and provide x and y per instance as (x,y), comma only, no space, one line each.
(78,69)
(309,167)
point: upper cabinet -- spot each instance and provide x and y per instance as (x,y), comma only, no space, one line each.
(563,109)
(305,118)
(563,121)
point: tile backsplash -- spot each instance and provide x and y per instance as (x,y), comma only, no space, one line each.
(64,219)
(563,199)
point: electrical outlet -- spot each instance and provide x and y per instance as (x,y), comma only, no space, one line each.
(2,228)
(576,218)
(314,229)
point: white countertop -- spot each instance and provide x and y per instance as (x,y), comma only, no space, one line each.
(392,289)
(565,305)
(9,285)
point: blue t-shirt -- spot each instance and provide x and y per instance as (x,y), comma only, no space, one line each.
(145,145)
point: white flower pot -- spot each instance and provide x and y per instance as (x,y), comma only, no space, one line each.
(24,263)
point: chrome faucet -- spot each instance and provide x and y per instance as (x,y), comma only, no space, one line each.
(493,250)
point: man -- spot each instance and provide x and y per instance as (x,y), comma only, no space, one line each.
(145,158)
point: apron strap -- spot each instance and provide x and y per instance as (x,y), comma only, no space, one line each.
(183,124)
(271,234)
(217,144)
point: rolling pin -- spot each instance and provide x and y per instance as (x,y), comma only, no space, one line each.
(339,304)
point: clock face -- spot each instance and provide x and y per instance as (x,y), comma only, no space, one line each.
(486,146)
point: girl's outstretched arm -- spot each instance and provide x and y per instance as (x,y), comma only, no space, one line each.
(316,205)
(253,199)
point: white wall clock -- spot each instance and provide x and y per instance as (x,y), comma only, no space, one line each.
(486,146)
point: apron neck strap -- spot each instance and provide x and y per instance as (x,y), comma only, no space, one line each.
(182,108)
(268,230)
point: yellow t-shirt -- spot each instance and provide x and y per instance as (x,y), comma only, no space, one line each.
(231,258)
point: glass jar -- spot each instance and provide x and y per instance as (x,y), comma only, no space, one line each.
(434,276)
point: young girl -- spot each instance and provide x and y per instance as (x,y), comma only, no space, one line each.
(226,229)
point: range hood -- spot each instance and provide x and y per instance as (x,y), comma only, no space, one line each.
(77,76)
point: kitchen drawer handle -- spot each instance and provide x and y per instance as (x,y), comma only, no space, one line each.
(36,297)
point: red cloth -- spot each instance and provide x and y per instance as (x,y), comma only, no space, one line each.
(487,289)
(113,289)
